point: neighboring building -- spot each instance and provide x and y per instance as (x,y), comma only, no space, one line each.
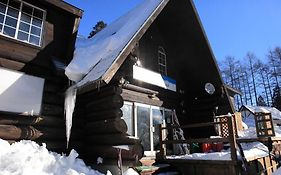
(248,112)
(36,41)
(136,71)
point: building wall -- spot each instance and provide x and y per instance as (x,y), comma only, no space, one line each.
(58,42)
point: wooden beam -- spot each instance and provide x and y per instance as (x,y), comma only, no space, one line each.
(129,95)
(12,132)
(10,64)
(65,6)
(7,119)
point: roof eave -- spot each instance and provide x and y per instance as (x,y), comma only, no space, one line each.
(66,6)
(111,71)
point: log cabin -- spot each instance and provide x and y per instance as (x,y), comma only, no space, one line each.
(135,73)
(36,42)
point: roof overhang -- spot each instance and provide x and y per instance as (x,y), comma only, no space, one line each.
(66,7)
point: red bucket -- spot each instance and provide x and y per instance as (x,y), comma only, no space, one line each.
(217,147)
(206,147)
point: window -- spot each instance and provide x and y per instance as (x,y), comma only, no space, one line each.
(21,21)
(142,121)
(162,61)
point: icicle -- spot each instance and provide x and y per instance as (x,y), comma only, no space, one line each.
(69,104)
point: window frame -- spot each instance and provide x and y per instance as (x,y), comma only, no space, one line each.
(19,21)
(162,61)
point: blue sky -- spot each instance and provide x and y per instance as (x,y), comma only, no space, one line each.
(232,27)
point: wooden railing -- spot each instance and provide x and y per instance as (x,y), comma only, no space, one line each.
(231,138)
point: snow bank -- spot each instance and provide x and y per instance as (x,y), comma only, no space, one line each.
(29,158)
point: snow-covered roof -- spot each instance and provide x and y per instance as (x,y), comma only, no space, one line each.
(275,113)
(94,57)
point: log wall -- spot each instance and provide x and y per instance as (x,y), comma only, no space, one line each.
(104,127)
(58,41)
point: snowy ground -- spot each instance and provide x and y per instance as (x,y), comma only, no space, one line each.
(251,151)
(28,158)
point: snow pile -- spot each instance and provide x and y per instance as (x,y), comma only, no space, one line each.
(251,151)
(29,158)
(254,150)
(93,57)
(203,156)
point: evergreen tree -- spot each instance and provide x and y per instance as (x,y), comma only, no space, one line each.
(276,100)
(98,27)
(261,101)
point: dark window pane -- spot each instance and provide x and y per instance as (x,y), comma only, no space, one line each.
(157,119)
(12,12)
(14,4)
(2,8)
(1,27)
(11,21)
(25,18)
(1,18)
(23,36)
(4,1)
(143,127)
(34,40)
(9,31)
(24,27)
(27,9)
(37,22)
(35,31)
(38,13)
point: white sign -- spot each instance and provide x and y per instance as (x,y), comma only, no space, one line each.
(154,78)
(20,93)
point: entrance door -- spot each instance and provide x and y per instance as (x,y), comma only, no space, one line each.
(148,120)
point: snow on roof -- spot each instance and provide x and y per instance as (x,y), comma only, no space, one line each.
(93,57)
(275,113)
(27,157)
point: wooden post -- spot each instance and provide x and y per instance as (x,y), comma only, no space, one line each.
(161,139)
(232,139)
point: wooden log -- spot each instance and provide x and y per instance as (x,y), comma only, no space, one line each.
(12,132)
(106,114)
(96,94)
(10,64)
(129,95)
(52,110)
(106,126)
(6,119)
(115,101)
(112,139)
(135,152)
(140,89)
